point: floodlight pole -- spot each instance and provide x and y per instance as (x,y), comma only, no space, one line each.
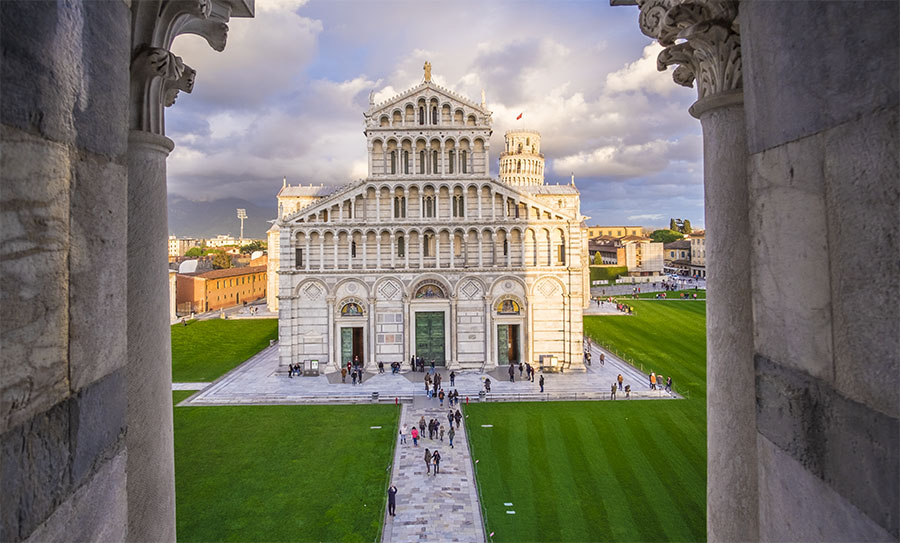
(242,214)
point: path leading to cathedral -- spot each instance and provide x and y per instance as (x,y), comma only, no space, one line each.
(442,507)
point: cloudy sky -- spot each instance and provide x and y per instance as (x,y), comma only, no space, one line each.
(286,98)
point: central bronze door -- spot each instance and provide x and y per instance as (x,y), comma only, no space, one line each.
(430,337)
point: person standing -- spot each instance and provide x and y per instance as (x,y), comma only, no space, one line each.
(392,501)
(512,373)
(422,427)
(436,458)
(452,378)
(403,431)
(343,375)
(427,461)
(441,397)
(458,417)
(652,381)
(415,436)
(541,382)
(450,417)
(620,379)
(612,392)
(669,384)
(451,434)
(442,432)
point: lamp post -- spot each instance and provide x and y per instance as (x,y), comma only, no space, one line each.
(242,214)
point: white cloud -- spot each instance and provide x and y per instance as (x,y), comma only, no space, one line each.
(646,217)
(642,75)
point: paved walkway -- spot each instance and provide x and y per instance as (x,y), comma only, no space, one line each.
(261,380)
(189,386)
(442,507)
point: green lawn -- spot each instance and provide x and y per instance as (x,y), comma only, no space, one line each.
(203,351)
(673,295)
(605,471)
(282,473)
(667,337)
(591,471)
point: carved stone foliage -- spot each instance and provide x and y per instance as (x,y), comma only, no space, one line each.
(701,38)
(156,74)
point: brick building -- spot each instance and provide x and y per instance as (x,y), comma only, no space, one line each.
(218,289)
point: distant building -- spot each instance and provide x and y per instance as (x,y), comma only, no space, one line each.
(218,289)
(222,241)
(179,246)
(607,247)
(615,231)
(698,254)
(677,256)
(641,256)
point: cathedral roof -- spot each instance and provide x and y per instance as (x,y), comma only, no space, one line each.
(307,190)
(549,189)
(437,89)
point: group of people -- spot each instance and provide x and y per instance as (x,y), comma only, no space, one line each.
(525,368)
(294,368)
(354,369)
(434,428)
(683,295)
(617,386)
(395,367)
(417,363)
(656,382)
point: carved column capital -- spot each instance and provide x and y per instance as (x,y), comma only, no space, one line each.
(156,74)
(701,38)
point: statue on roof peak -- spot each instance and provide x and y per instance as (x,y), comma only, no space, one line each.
(427,68)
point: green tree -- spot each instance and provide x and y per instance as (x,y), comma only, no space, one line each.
(666,236)
(598,258)
(673,225)
(194,252)
(686,227)
(255,245)
(221,261)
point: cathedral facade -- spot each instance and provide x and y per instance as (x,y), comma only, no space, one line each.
(428,255)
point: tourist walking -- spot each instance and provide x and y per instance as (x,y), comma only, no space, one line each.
(422,425)
(487,384)
(436,458)
(512,373)
(427,461)
(541,382)
(442,432)
(612,392)
(620,379)
(652,381)
(450,417)
(415,436)
(451,434)
(452,378)
(458,417)
(441,397)
(403,431)
(669,384)
(392,501)
(343,375)
(627,392)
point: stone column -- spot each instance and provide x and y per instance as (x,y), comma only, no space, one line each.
(702,38)
(488,330)
(333,339)
(151,466)
(370,323)
(453,332)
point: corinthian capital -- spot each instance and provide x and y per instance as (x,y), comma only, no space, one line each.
(701,38)
(156,74)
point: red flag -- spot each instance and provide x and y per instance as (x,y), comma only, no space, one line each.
(520,116)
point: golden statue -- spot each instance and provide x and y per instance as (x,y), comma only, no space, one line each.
(427,68)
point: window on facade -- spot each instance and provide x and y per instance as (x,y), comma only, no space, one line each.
(351,310)
(352,249)
(405,161)
(393,162)
(434,115)
(427,241)
(400,207)
(428,206)
(421,161)
(508,307)
(518,166)
(458,206)
(463,155)
(401,246)
(561,254)
(421,115)
(435,164)
(505,247)
(520,147)
(298,260)
(451,167)
(218,285)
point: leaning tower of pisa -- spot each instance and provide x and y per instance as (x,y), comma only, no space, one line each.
(521,162)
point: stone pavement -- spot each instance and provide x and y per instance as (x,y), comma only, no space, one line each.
(260,380)
(189,386)
(442,507)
